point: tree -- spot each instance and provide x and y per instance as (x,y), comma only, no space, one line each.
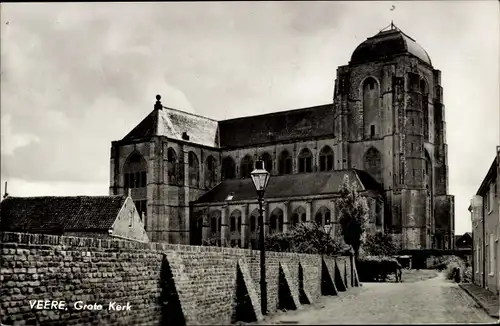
(353,215)
(379,244)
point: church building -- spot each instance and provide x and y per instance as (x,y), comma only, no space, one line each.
(385,130)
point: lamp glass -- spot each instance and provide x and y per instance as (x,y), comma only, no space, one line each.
(260,179)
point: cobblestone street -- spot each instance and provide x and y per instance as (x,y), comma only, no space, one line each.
(434,300)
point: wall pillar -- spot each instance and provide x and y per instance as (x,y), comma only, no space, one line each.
(286,216)
(205,235)
(185,204)
(333,217)
(244,226)
(265,207)
(308,211)
(224,232)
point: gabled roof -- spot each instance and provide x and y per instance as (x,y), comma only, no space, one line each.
(58,214)
(490,176)
(279,126)
(173,123)
(292,185)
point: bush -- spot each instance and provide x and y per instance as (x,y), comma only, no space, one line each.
(308,238)
(451,263)
(379,244)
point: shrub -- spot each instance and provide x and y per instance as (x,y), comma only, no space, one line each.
(451,263)
(309,238)
(379,244)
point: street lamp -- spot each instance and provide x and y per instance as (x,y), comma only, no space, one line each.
(260,179)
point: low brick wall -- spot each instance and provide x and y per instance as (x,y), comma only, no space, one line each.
(160,282)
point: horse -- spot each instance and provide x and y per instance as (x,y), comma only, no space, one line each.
(388,267)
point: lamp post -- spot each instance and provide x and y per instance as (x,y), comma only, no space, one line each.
(260,179)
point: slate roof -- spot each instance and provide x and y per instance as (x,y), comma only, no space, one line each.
(173,123)
(57,214)
(302,184)
(279,126)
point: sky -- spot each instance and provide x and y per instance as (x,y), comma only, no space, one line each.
(76,76)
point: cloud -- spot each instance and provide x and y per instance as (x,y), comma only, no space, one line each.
(12,141)
(76,76)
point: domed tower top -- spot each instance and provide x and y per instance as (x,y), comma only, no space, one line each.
(389,42)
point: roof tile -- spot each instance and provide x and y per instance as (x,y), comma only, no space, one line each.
(55,214)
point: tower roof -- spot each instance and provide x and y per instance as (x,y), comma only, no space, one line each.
(175,124)
(387,43)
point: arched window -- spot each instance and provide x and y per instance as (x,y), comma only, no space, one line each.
(372,162)
(246,167)
(194,170)
(253,223)
(210,172)
(323,216)
(228,168)
(318,218)
(299,215)
(235,221)
(295,219)
(135,177)
(305,161)
(171,166)
(326,159)
(268,162)
(213,225)
(371,107)
(285,163)
(276,221)
(428,172)
(135,171)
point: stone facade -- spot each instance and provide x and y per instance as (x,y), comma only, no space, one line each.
(161,283)
(387,118)
(485,214)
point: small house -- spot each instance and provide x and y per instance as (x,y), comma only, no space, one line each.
(81,216)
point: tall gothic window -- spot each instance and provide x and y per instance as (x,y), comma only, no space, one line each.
(371,107)
(171,166)
(326,159)
(305,161)
(268,162)
(228,168)
(135,172)
(285,163)
(194,169)
(276,220)
(246,166)
(372,162)
(323,216)
(210,172)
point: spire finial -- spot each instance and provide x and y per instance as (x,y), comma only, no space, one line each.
(158,105)
(392,24)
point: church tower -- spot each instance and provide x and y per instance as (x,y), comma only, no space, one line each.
(389,120)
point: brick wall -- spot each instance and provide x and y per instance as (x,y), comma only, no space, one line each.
(185,284)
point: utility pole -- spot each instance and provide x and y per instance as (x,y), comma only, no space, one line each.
(5,192)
